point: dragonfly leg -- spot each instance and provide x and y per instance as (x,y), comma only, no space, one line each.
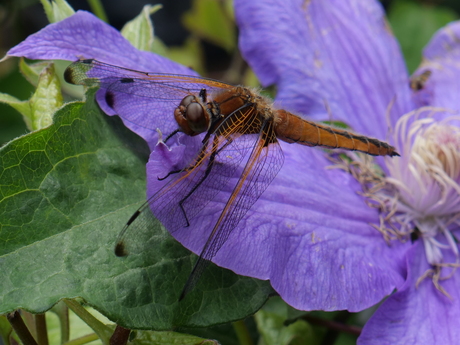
(211,161)
(191,167)
(202,179)
(169,174)
(171,135)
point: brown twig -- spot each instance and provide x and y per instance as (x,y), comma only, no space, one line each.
(20,328)
(120,336)
(334,325)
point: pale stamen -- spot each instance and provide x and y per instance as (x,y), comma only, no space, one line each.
(421,194)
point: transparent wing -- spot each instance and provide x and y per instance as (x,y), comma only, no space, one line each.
(257,158)
(145,99)
(262,166)
(183,198)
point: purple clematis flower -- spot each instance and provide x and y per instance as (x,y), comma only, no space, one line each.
(83,36)
(311,233)
(308,233)
(343,53)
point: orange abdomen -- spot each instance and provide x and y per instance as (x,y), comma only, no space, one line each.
(293,129)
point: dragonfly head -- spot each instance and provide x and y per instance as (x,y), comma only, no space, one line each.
(191,116)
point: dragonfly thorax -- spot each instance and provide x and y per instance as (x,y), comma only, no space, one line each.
(191,116)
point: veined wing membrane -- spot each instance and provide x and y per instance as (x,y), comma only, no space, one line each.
(184,197)
(145,99)
(152,85)
(262,166)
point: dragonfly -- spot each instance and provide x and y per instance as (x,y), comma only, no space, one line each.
(240,130)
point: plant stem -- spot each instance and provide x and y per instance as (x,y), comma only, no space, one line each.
(20,328)
(13,341)
(5,330)
(98,10)
(120,336)
(82,340)
(29,321)
(62,312)
(40,329)
(98,327)
(242,333)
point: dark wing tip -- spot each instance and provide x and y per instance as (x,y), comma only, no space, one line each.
(110,99)
(69,76)
(71,72)
(120,249)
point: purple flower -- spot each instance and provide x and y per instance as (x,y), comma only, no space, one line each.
(83,36)
(311,231)
(343,54)
(308,233)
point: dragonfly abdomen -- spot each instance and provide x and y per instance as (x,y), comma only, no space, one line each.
(293,129)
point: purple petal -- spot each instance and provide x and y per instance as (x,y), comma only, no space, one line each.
(309,234)
(417,315)
(441,57)
(339,53)
(85,36)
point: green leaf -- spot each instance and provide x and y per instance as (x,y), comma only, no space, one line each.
(414,24)
(57,10)
(271,325)
(139,31)
(209,20)
(65,193)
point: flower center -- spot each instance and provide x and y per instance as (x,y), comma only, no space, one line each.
(439,147)
(428,175)
(421,194)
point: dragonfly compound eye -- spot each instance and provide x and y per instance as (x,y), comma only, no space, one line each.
(191,116)
(197,117)
(187,100)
